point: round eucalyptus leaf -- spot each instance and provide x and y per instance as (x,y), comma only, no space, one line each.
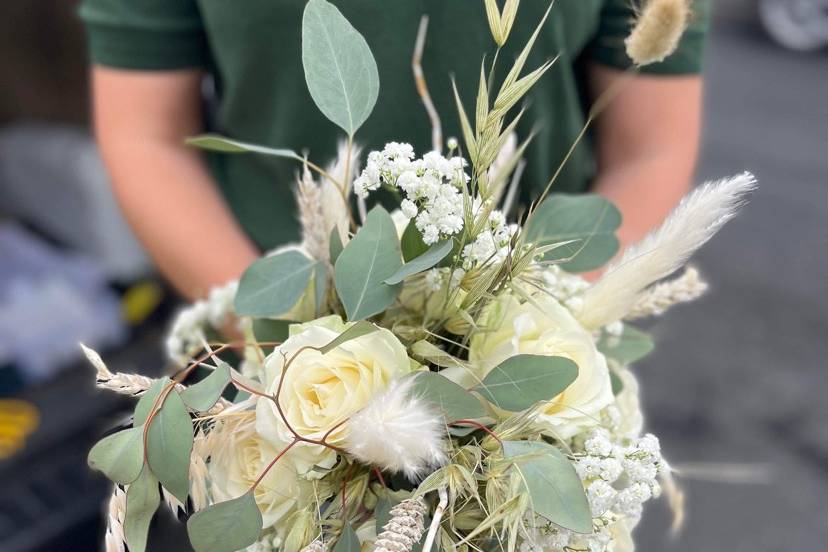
(227,526)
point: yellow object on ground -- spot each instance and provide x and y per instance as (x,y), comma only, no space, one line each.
(18,420)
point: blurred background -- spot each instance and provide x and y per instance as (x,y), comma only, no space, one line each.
(736,389)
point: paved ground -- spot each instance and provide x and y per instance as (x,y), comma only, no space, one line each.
(742,375)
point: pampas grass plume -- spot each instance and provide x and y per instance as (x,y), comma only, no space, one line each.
(657,31)
(398,432)
(664,250)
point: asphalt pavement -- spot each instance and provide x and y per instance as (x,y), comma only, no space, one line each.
(737,387)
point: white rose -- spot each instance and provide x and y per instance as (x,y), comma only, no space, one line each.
(321,391)
(544,327)
(239,461)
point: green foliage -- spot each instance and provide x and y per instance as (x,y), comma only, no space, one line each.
(631,346)
(555,490)
(265,329)
(169,443)
(357,330)
(142,501)
(382,513)
(204,394)
(523,380)
(589,222)
(430,258)
(142,409)
(335,246)
(455,402)
(617,384)
(340,70)
(119,456)
(227,526)
(272,285)
(214,142)
(320,286)
(369,258)
(412,243)
(348,540)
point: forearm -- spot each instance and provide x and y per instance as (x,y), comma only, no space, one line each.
(163,187)
(172,204)
(647,141)
(645,190)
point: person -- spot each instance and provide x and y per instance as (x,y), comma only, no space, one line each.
(204,218)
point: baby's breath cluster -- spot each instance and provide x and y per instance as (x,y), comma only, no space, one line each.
(491,245)
(431,186)
(619,477)
(187,332)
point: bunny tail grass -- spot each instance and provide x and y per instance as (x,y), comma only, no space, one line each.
(696,219)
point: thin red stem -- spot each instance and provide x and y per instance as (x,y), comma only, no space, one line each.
(478,425)
(378,473)
(271,464)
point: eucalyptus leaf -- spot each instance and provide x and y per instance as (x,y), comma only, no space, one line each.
(616,383)
(455,402)
(272,285)
(320,286)
(340,70)
(588,222)
(214,142)
(142,409)
(554,488)
(348,540)
(412,243)
(369,258)
(523,380)
(266,329)
(382,513)
(169,443)
(430,258)
(142,500)
(119,456)
(203,395)
(335,246)
(631,346)
(227,526)
(357,330)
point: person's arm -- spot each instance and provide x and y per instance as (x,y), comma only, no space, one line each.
(647,141)
(163,186)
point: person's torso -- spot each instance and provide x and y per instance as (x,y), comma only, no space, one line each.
(263,97)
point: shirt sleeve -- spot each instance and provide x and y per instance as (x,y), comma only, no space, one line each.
(145,34)
(617,18)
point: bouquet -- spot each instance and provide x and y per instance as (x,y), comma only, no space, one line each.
(430,377)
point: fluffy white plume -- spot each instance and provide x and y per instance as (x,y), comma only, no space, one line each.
(332,205)
(398,432)
(696,219)
(321,205)
(315,230)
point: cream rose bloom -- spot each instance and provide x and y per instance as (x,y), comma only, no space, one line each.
(240,459)
(544,327)
(321,391)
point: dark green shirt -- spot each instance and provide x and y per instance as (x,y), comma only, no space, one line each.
(253,49)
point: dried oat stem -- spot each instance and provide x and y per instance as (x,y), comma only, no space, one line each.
(422,87)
